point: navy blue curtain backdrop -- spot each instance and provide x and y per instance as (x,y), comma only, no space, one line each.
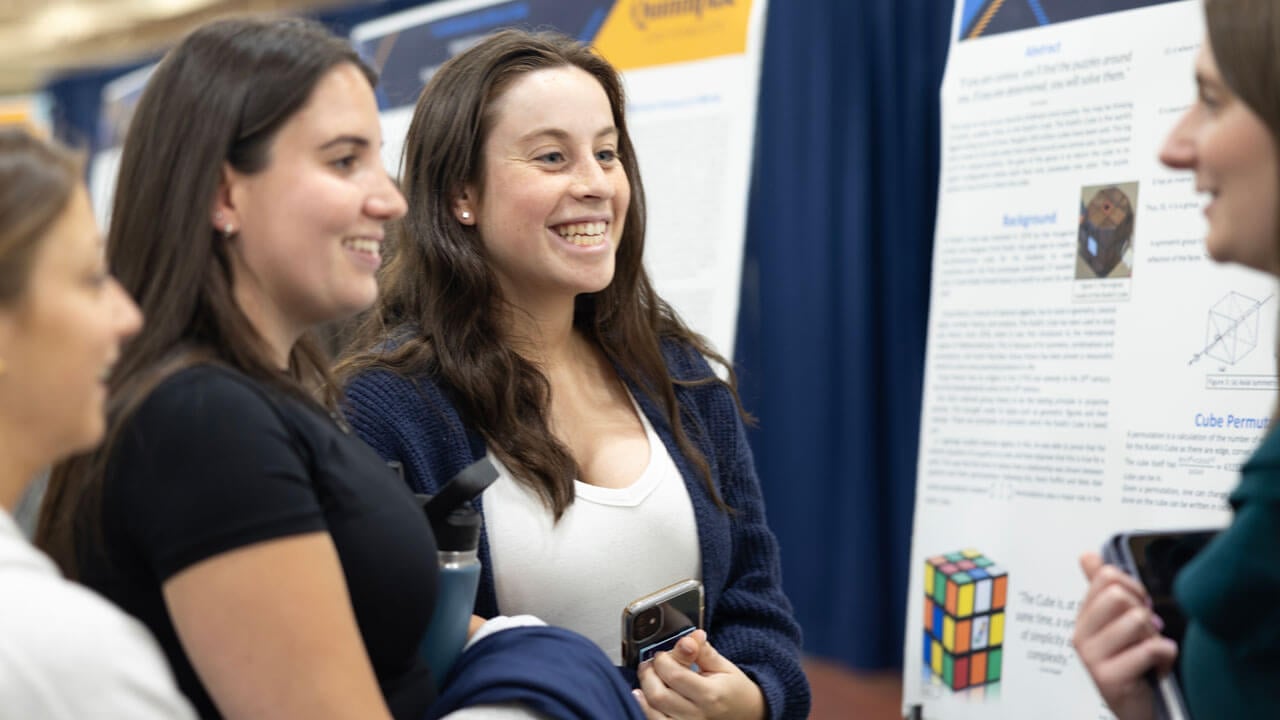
(835,294)
(831,335)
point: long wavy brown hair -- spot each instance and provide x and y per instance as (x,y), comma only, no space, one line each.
(439,315)
(218,98)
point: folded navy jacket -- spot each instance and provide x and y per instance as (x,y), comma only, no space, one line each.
(551,670)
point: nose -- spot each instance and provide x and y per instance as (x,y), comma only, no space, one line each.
(386,202)
(591,180)
(127,316)
(1179,149)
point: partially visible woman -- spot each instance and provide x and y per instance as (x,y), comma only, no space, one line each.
(1230,659)
(65,654)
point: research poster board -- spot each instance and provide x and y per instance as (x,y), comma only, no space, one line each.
(119,99)
(1089,368)
(691,72)
(28,111)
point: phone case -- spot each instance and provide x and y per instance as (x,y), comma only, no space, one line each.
(656,622)
(1169,703)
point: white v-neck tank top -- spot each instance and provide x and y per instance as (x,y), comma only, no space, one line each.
(610,547)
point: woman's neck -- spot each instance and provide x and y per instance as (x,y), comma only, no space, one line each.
(279,335)
(17,468)
(269,319)
(544,335)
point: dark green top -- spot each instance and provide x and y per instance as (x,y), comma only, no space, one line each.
(1230,592)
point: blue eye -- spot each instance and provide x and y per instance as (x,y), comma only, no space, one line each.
(344,163)
(607,156)
(552,157)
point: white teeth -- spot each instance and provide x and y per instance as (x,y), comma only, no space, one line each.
(363,245)
(583,234)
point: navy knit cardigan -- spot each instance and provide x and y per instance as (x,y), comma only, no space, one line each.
(748,617)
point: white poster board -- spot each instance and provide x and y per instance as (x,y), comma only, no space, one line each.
(1089,369)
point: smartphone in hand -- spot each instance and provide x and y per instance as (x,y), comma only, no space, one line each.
(1155,558)
(656,622)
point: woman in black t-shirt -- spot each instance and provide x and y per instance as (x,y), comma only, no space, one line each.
(284,568)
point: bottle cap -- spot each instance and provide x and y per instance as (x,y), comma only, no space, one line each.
(454,521)
(459,531)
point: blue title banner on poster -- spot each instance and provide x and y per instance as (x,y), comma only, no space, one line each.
(407,56)
(980,18)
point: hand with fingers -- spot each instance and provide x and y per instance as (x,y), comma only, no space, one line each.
(1117,637)
(694,681)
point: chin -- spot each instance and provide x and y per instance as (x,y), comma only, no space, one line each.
(598,283)
(595,288)
(354,304)
(91,433)
(1219,251)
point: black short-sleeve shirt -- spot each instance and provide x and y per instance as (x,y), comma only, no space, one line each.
(213,461)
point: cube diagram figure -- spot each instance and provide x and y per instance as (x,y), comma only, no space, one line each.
(964,603)
(1233,328)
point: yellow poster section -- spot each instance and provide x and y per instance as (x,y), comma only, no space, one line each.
(643,33)
(20,112)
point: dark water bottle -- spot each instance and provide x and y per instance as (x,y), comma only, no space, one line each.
(456,525)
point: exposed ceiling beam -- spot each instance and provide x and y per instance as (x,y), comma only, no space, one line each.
(40,38)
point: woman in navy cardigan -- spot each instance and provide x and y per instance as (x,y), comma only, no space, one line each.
(517,320)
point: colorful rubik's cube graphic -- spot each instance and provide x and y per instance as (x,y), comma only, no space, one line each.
(964,599)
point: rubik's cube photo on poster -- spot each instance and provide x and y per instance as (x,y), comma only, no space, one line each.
(964,604)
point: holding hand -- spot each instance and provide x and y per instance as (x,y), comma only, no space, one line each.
(1118,639)
(670,687)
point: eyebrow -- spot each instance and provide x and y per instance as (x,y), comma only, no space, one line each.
(342,139)
(559,134)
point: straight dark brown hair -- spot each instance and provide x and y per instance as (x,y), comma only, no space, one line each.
(218,98)
(439,315)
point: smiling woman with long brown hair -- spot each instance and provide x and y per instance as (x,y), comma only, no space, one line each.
(284,569)
(517,319)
